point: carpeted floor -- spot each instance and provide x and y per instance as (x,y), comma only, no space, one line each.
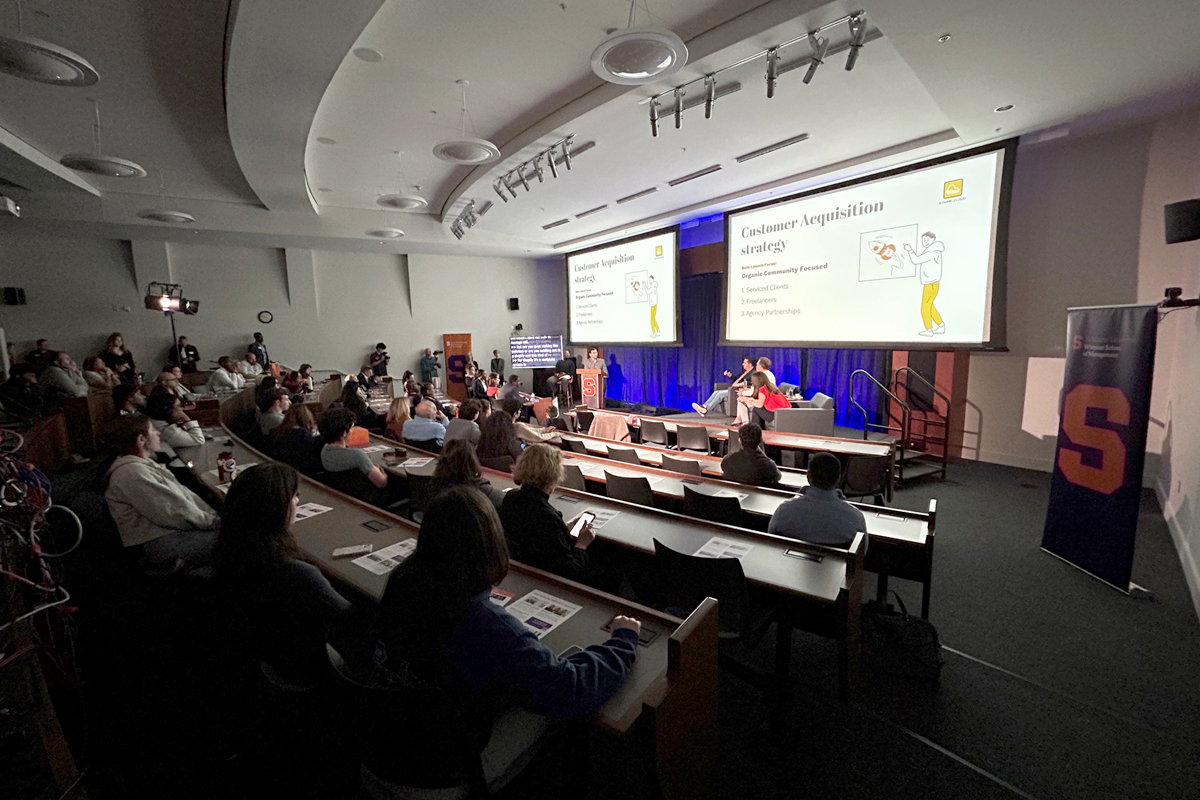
(1055,686)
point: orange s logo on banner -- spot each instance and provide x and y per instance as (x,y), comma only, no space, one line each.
(1110,475)
(458,352)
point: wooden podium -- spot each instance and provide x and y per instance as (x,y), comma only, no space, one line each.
(591,387)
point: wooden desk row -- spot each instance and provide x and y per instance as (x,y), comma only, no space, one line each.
(675,676)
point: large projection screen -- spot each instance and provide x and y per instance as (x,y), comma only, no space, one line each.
(626,292)
(907,259)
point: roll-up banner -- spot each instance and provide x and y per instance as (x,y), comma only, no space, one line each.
(458,353)
(1096,489)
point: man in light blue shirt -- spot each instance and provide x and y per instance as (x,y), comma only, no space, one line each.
(819,513)
(428,425)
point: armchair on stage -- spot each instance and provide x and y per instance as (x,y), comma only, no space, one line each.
(591,387)
(813,416)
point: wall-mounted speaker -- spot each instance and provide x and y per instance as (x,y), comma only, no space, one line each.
(513,304)
(1182,221)
(14,296)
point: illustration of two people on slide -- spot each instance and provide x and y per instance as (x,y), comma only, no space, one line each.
(645,289)
(929,260)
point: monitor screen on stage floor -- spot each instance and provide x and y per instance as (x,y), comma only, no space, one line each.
(910,258)
(535,352)
(625,292)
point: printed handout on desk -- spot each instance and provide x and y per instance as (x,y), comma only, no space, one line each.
(412,463)
(500,596)
(541,612)
(731,493)
(377,448)
(381,562)
(307,510)
(603,517)
(717,547)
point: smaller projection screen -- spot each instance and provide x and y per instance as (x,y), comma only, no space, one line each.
(912,258)
(626,292)
(534,352)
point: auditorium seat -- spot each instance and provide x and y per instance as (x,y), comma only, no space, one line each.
(574,445)
(867,476)
(654,432)
(584,420)
(692,439)
(624,454)
(573,478)
(688,466)
(499,463)
(726,510)
(631,490)
(428,445)
(816,419)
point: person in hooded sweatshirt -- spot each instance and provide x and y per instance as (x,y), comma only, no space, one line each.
(152,509)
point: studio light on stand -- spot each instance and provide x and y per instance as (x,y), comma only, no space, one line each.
(168,298)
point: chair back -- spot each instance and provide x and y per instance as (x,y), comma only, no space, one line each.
(727,510)
(735,441)
(625,454)
(351,482)
(807,420)
(541,409)
(866,475)
(574,445)
(692,437)
(584,420)
(788,388)
(819,400)
(411,737)
(498,463)
(682,582)
(420,491)
(687,466)
(573,478)
(428,445)
(654,432)
(632,490)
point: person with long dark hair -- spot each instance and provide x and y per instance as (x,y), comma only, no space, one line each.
(459,466)
(764,400)
(290,604)
(299,381)
(118,359)
(296,442)
(351,400)
(498,438)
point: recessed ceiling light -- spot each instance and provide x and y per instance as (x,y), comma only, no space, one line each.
(163,215)
(1008,107)
(402,202)
(37,60)
(945,37)
(324,189)
(385,233)
(639,55)
(111,166)
(326,140)
(368,55)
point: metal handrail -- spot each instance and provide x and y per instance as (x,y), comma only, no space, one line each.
(886,391)
(944,422)
(924,380)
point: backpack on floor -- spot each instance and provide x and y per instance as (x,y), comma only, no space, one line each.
(899,643)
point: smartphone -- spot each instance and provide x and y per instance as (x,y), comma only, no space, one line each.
(584,519)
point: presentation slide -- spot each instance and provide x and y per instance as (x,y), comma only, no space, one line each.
(903,259)
(534,352)
(625,292)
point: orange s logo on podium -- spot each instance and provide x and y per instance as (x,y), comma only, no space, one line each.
(1110,475)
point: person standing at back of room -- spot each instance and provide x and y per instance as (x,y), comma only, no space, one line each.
(819,513)
(429,367)
(379,359)
(184,356)
(497,365)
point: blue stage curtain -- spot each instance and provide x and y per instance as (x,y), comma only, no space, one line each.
(678,376)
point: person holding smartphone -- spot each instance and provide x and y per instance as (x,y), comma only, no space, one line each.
(536,532)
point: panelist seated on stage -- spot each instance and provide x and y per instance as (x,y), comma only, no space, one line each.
(335,428)
(536,532)
(437,626)
(429,425)
(726,397)
(152,509)
(819,513)
(750,465)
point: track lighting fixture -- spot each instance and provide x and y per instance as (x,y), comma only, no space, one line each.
(457,231)
(499,191)
(550,161)
(566,148)
(710,95)
(537,169)
(820,46)
(678,108)
(521,177)
(508,185)
(858,32)
(654,117)
(772,71)
(520,174)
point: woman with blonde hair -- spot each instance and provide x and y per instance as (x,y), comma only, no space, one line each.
(398,413)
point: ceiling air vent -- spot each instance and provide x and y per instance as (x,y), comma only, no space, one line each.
(771,148)
(591,211)
(694,175)
(642,193)
(555,224)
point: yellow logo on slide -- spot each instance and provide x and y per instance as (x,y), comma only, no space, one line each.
(658,251)
(952,188)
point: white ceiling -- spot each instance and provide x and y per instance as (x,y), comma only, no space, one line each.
(229,100)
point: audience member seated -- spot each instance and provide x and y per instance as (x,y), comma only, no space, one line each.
(184,356)
(750,465)
(351,400)
(428,392)
(498,437)
(510,390)
(409,381)
(65,376)
(398,413)
(170,381)
(819,513)
(22,394)
(118,359)
(335,428)
(764,400)
(98,375)
(536,532)
(225,377)
(477,387)
(299,381)
(290,604)
(465,425)
(295,440)
(429,425)
(272,415)
(153,510)
(458,466)
(175,428)
(249,368)
(127,400)
(41,357)
(436,626)
(493,384)
(366,378)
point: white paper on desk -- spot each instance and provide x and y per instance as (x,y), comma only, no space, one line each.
(717,547)
(414,462)
(731,493)
(603,517)
(222,488)
(541,612)
(381,562)
(376,448)
(213,433)
(307,510)
(238,470)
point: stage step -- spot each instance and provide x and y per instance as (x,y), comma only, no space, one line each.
(907,455)
(920,469)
